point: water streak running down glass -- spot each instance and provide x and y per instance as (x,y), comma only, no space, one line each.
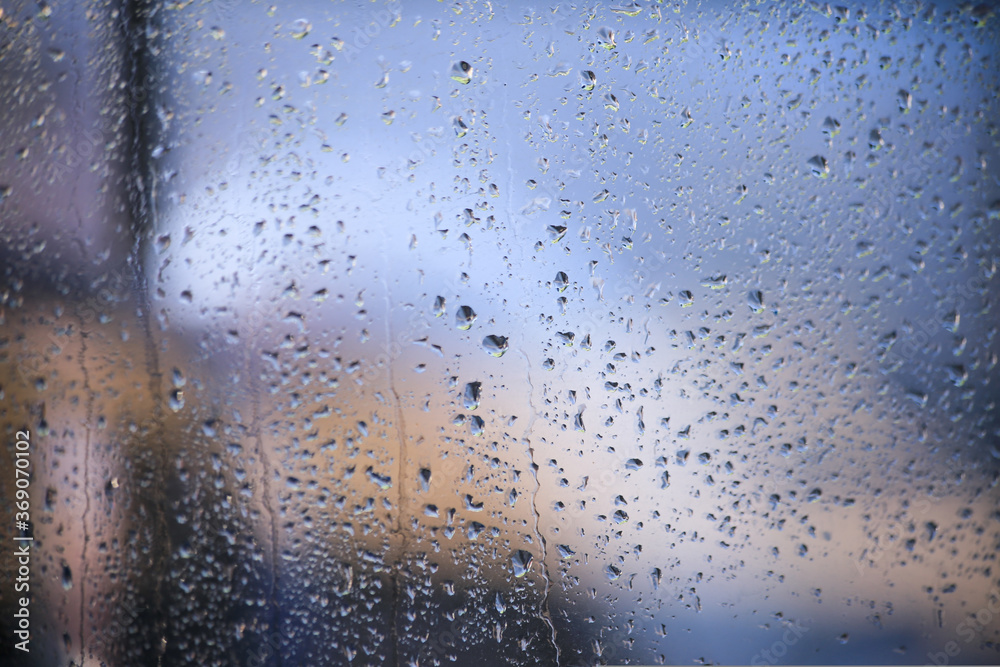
(425,333)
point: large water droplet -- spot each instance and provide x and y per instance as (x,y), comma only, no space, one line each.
(462,72)
(300,28)
(819,166)
(465,317)
(495,345)
(521,561)
(606,38)
(176,400)
(471,397)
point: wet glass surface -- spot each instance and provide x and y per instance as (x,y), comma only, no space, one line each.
(450,333)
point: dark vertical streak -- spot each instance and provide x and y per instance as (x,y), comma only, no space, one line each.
(89,402)
(135,15)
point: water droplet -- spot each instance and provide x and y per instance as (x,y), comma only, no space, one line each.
(632,8)
(521,561)
(462,72)
(564,551)
(384,482)
(905,99)
(715,282)
(300,28)
(465,317)
(957,374)
(875,140)
(471,396)
(606,38)
(819,166)
(951,321)
(475,530)
(495,345)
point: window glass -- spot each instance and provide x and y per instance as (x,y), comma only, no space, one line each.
(427,333)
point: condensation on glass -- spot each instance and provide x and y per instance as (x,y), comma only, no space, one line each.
(428,333)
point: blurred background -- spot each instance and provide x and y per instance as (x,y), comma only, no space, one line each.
(446,332)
